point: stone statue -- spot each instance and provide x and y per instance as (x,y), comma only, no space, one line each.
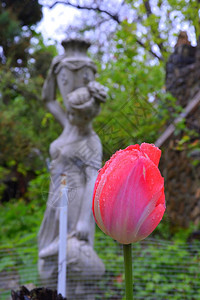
(77,153)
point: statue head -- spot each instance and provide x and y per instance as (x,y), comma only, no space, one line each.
(74,69)
(76,48)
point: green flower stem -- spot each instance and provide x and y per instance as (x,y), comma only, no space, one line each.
(128,271)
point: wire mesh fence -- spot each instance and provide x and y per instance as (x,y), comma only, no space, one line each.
(161,270)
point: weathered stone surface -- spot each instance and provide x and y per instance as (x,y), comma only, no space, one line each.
(182,70)
(181,183)
(182,178)
(76,153)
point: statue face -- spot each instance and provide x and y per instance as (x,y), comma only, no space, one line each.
(65,81)
(83,77)
(69,80)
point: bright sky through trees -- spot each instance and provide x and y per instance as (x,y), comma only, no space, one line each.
(56,20)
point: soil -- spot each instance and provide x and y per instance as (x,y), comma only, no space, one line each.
(36,294)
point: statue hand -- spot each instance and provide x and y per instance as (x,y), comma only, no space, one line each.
(82,231)
(97,90)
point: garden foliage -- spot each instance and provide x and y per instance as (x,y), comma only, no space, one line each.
(137,110)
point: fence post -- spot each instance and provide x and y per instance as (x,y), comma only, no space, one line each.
(62,252)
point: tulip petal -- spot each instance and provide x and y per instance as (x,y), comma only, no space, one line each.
(108,184)
(132,147)
(144,193)
(128,200)
(153,152)
(151,222)
(97,216)
(103,170)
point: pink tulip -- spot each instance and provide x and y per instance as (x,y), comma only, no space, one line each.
(129,200)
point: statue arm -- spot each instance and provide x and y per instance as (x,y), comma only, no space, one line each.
(57,111)
(49,95)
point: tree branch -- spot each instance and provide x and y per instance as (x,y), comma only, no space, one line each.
(150,50)
(97,8)
(148,7)
(149,13)
(115,17)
